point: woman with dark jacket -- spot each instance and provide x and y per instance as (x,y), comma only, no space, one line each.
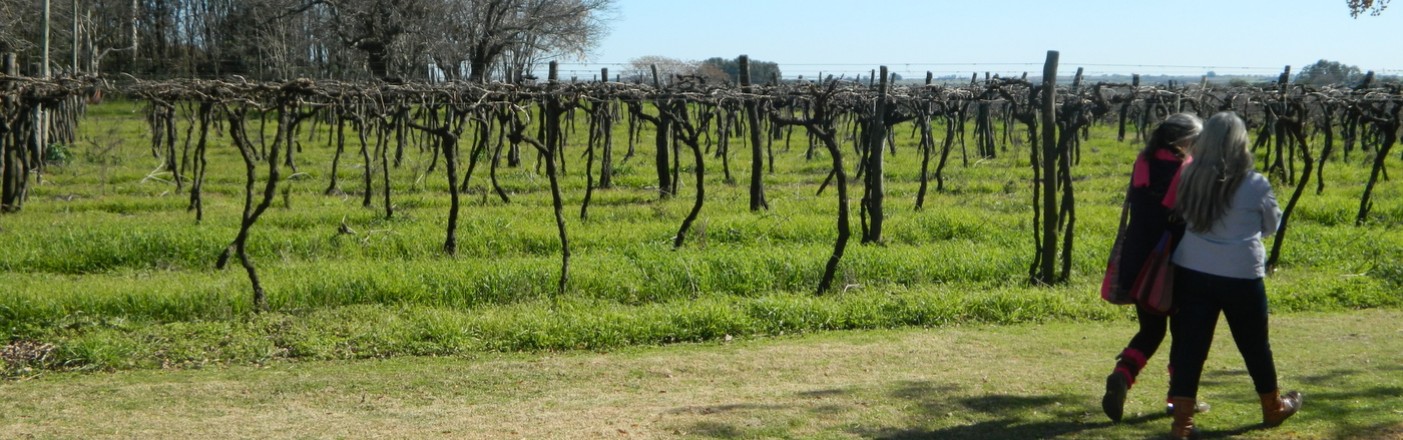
(1154,170)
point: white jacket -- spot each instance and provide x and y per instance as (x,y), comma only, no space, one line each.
(1233,246)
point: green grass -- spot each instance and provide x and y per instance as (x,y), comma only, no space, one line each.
(959,381)
(106,265)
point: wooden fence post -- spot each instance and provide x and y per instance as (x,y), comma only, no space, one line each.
(666,187)
(757,157)
(9,171)
(606,162)
(1048,185)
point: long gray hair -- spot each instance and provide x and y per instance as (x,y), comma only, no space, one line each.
(1221,161)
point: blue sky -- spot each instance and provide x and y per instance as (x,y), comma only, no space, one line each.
(1188,37)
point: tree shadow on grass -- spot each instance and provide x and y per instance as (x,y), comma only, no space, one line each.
(1334,377)
(719,429)
(715,430)
(716,409)
(1342,408)
(1052,415)
(1348,410)
(1352,408)
(1014,416)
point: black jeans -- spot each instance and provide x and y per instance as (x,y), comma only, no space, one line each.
(1151,334)
(1200,298)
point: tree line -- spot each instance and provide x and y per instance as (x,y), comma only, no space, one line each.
(284,39)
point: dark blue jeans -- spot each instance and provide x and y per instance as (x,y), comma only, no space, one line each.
(1200,298)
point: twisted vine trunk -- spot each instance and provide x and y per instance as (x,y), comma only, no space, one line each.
(201,163)
(1388,128)
(1296,131)
(927,144)
(875,188)
(251,213)
(448,144)
(688,135)
(332,187)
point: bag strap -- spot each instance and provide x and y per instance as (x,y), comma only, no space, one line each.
(1125,207)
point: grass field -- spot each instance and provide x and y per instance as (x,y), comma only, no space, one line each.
(952,382)
(106,270)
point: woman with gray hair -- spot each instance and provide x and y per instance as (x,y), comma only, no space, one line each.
(1154,169)
(1220,266)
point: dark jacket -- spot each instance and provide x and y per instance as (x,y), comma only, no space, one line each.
(1149,217)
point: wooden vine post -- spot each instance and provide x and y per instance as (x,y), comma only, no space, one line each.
(14,171)
(1047,247)
(875,190)
(1125,106)
(554,110)
(757,160)
(606,159)
(666,187)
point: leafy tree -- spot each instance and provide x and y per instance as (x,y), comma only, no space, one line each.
(714,73)
(1325,72)
(1373,7)
(760,71)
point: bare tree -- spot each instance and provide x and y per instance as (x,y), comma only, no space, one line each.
(447,48)
(13,36)
(527,28)
(478,37)
(279,39)
(667,68)
(375,27)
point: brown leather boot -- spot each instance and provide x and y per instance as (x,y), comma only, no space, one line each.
(1183,427)
(1277,408)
